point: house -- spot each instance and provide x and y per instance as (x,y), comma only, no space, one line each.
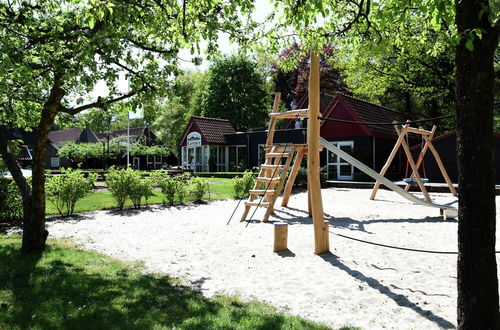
(209,144)
(446,146)
(141,135)
(25,156)
(204,147)
(58,138)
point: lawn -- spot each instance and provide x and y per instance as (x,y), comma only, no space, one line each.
(220,188)
(67,288)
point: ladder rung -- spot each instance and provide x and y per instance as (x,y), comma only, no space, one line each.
(277,154)
(267,166)
(259,204)
(261,192)
(263,179)
(301,113)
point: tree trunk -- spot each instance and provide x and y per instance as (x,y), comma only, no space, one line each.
(477,306)
(14,169)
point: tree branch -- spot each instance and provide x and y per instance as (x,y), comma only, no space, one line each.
(100,103)
(150,48)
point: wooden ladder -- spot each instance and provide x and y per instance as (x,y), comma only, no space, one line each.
(271,179)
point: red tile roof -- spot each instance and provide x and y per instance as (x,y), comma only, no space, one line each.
(364,110)
(212,129)
(369,112)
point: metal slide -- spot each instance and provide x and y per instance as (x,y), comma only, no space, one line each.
(447,211)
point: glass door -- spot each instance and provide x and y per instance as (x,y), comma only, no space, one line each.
(338,168)
(190,158)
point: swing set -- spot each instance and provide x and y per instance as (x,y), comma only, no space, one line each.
(415,179)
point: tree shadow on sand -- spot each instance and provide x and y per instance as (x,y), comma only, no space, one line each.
(71,289)
(385,290)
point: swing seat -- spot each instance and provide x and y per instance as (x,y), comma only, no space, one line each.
(414,181)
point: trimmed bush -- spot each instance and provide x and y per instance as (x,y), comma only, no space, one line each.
(138,189)
(241,185)
(180,188)
(119,183)
(66,189)
(11,202)
(200,188)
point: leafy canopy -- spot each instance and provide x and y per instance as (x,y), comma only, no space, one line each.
(236,90)
(56,51)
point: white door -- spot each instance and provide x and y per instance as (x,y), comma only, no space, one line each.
(339,169)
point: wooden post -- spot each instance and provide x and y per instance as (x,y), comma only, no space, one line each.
(280,236)
(272,120)
(292,176)
(406,148)
(422,154)
(321,236)
(400,140)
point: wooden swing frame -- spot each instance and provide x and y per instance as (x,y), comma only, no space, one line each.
(401,142)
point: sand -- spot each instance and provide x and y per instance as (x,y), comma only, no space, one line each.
(357,284)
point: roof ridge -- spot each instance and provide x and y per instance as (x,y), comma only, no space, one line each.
(67,129)
(364,101)
(200,117)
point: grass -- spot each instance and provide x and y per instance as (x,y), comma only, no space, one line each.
(67,288)
(220,188)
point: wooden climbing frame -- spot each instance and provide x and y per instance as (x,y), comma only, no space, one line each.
(279,159)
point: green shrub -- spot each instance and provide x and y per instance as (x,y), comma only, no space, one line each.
(11,202)
(301,178)
(167,185)
(119,183)
(66,189)
(169,189)
(200,188)
(180,188)
(140,188)
(241,185)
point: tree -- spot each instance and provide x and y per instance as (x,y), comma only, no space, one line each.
(413,78)
(182,102)
(293,83)
(474,76)
(475,27)
(235,90)
(54,53)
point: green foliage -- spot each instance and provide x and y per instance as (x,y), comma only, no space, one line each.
(241,185)
(66,189)
(236,90)
(119,183)
(168,186)
(301,178)
(14,147)
(142,150)
(173,115)
(11,202)
(181,187)
(138,189)
(85,150)
(199,188)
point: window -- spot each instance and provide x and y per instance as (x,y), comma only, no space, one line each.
(54,162)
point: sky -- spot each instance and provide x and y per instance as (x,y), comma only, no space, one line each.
(262,9)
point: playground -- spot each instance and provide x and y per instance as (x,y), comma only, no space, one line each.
(357,284)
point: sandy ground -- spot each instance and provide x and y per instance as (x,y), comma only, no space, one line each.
(357,284)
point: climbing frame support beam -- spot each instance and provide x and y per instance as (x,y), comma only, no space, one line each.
(321,234)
